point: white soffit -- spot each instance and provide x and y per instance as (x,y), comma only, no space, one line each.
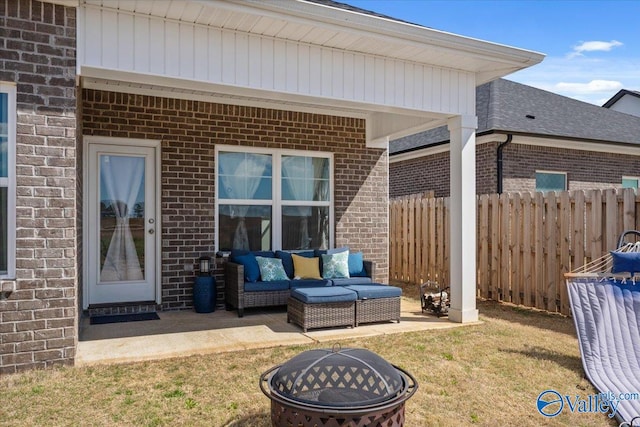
(329,26)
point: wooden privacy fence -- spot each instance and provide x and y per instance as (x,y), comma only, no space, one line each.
(525,241)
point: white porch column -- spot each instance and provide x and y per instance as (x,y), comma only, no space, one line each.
(462,251)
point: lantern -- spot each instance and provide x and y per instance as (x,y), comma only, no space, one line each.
(205,265)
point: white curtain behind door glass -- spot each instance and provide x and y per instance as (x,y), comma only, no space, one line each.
(121,178)
(321,192)
(241,174)
(294,168)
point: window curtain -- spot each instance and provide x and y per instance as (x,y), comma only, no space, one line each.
(302,190)
(121,178)
(241,175)
(321,192)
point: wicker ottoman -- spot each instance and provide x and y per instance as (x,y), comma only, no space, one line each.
(376,303)
(323,307)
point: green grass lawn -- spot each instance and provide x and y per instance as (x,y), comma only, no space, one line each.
(488,375)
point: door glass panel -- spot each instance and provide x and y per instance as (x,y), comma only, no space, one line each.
(3,231)
(122,216)
(4,133)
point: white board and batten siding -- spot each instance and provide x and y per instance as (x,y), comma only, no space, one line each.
(123,41)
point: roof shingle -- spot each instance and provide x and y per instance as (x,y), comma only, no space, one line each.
(509,107)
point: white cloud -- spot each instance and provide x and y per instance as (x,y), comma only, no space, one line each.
(592,87)
(586,79)
(593,46)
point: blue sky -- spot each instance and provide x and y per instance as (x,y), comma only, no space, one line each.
(592,48)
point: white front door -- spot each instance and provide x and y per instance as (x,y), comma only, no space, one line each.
(122,229)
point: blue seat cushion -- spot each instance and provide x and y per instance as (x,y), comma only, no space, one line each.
(375,290)
(352,281)
(275,285)
(310,283)
(323,295)
(287,261)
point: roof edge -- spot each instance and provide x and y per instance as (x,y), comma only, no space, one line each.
(525,134)
(615,98)
(388,27)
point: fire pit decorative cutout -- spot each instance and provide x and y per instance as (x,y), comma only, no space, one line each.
(337,387)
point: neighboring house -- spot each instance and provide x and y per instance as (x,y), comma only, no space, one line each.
(527,139)
(625,101)
(137,136)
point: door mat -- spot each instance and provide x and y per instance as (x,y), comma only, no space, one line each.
(118,318)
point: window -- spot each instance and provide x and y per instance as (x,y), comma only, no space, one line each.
(268,200)
(630,182)
(7,180)
(551,181)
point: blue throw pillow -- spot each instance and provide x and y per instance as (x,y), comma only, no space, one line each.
(271,269)
(356,265)
(625,262)
(235,253)
(251,268)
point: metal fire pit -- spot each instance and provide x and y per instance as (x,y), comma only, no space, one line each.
(337,387)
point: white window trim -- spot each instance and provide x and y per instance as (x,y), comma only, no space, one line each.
(276,202)
(566,182)
(10,182)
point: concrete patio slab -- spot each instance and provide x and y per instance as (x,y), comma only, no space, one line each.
(186,333)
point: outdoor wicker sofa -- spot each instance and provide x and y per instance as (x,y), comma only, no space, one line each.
(240,293)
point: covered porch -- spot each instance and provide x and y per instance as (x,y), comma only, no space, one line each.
(193,81)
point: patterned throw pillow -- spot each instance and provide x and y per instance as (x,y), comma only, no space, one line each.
(271,269)
(335,266)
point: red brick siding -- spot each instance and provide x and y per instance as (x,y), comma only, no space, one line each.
(189,131)
(38,322)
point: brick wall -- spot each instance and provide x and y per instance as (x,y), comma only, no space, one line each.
(585,169)
(189,131)
(431,173)
(38,325)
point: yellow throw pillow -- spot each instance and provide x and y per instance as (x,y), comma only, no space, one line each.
(306,268)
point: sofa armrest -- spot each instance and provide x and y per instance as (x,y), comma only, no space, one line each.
(234,285)
(370,268)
